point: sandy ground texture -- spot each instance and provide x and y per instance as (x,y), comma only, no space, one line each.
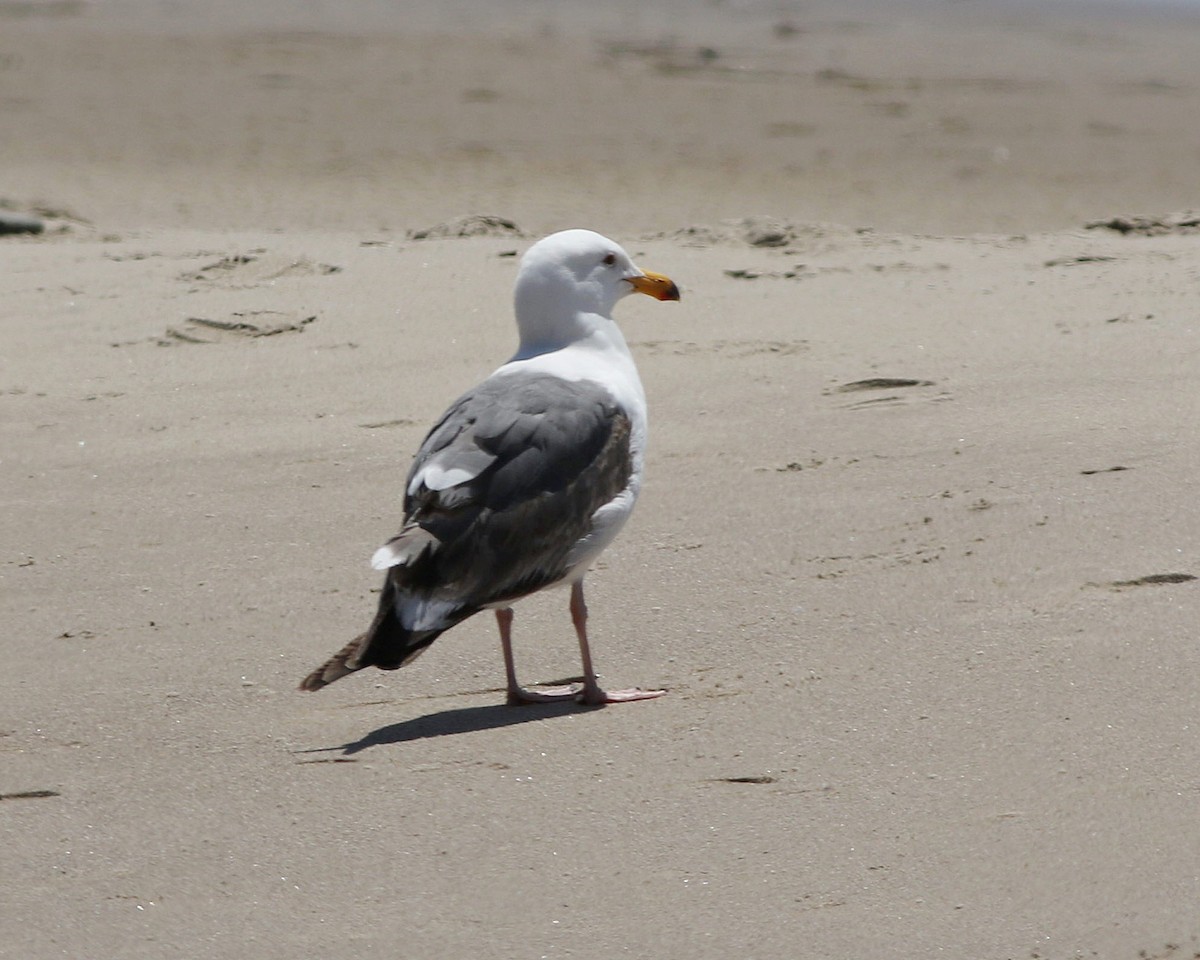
(926,117)
(917,550)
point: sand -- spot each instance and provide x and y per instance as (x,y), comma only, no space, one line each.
(916,553)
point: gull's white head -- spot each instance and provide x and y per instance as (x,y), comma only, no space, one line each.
(569,283)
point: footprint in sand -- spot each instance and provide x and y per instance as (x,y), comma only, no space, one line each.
(885,383)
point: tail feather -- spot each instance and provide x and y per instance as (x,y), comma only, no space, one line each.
(387,644)
(335,667)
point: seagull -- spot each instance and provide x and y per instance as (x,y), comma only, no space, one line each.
(526,478)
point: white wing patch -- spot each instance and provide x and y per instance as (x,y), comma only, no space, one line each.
(406,547)
(420,613)
(385,557)
(436,477)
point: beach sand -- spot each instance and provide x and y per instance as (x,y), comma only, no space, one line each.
(915,557)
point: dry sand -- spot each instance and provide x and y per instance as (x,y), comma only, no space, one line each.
(915,555)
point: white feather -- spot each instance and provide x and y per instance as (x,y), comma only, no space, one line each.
(437,477)
(385,557)
(425,613)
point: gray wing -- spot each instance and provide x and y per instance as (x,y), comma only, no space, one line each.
(504,486)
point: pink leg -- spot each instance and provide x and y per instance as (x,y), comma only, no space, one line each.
(516,693)
(591,692)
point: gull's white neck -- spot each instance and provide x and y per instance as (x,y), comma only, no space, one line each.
(586,331)
(599,354)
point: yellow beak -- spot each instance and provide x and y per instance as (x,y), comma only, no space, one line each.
(655,285)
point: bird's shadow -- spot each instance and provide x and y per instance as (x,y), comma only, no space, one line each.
(447,723)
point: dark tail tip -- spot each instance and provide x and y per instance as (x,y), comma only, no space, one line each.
(332,669)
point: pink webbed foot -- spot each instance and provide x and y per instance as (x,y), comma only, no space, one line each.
(595,696)
(518,696)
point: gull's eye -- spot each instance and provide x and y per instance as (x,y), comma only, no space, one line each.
(609,259)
